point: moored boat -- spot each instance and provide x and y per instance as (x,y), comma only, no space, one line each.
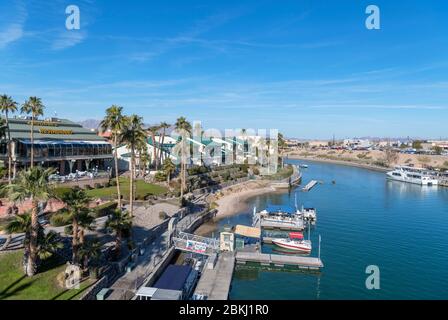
(295,242)
(412,175)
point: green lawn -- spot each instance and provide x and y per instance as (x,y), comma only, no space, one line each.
(14,285)
(142,189)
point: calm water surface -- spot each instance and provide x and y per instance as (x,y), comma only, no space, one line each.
(363,220)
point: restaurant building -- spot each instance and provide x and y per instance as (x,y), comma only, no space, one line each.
(58,143)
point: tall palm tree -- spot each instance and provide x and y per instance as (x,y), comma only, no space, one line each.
(77,201)
(120,223)
(153,130)
(162,126)
(114,121)
(7,105)
(32,184)
(169,168)
(22,224)
(133,135)
(34,107)
(183,127)
(47,244)
(86,222)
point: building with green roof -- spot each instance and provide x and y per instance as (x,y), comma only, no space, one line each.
(58,143)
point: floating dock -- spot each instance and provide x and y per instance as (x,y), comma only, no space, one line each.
(214,284)
(279,261)
(310,185)
(271,225)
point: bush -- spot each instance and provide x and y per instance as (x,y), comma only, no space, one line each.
(98,185)
(162,215)
(104,209)
(60,218)
(160,176)
(88,187)
(113,183)
(61,191)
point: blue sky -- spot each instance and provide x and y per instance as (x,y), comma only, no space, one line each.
(308,68)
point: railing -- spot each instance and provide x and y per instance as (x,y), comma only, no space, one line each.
(194,243)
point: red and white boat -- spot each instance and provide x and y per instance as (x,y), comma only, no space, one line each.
(294,242)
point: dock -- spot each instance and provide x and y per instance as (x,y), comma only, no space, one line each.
(271,225)
(278,261)
(310,185)
(214,283)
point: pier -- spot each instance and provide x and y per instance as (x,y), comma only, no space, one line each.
(278,261)
(310,185)
(214,284)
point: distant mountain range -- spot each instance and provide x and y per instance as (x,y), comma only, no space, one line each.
(90,123)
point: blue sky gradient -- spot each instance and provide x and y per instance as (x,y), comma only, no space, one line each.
(309,68)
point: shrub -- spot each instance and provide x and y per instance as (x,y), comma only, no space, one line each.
(61,191)
(98,185)
(113,183)
(88,187)
(104,209)
(160,176)
(163,215)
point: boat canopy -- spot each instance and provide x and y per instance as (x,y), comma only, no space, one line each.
(284,209)
(296,235)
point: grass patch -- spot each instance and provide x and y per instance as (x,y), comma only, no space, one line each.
(14,285)
(143,189)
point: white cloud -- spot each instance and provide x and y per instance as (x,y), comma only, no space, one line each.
(67,39)
(12,33)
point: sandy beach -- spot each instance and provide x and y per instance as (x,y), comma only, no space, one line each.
(233,200)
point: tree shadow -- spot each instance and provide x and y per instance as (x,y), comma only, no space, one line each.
(4,291)
(4,295)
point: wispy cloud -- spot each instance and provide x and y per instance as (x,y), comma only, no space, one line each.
(68,38)
(13,31)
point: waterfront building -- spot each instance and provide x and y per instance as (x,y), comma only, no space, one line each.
(58,143)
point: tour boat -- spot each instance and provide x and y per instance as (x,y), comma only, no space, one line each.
(294,242)
(309,214)
(412,175)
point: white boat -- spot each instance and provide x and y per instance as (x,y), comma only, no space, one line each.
(280,217)
(295,242)
(303,166)
(309,214)
(412,175)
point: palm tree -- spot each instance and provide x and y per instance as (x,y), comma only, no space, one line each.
(90,253)
(22,224)
(114,121)
(48,243)
(119,222)
(162,126)
(32,184)
(169,168)
(86,222)
(144,159)
(153,130)
(133,135)
(7,105)
(77,201)
(34,107)
(183,127)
